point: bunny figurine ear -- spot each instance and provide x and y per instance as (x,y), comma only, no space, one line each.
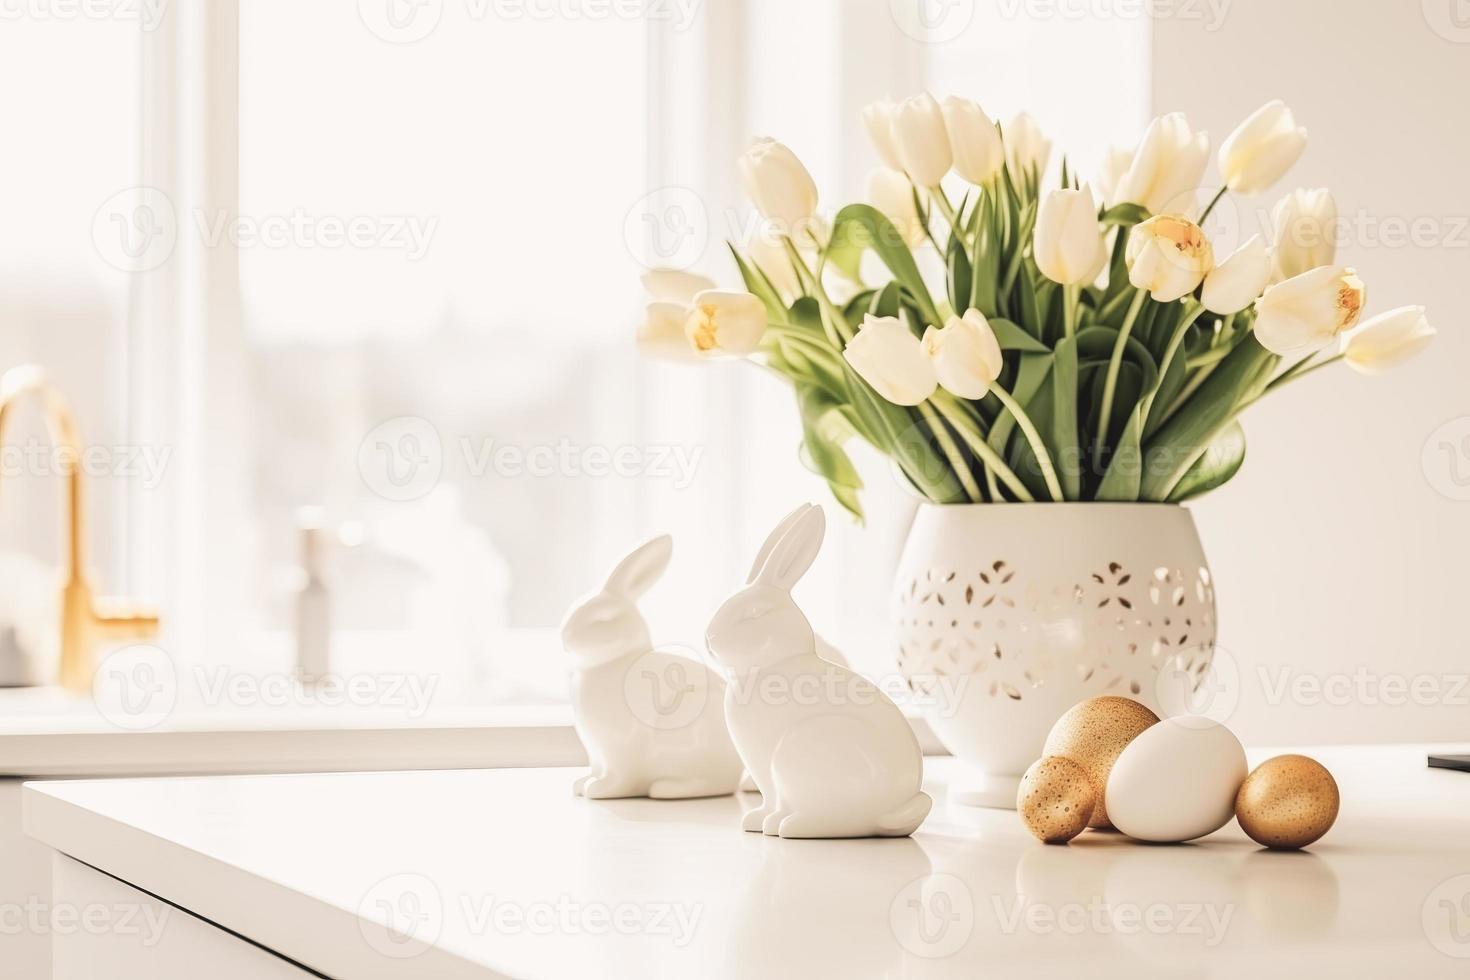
(636,573)
(794,553)
(773,539)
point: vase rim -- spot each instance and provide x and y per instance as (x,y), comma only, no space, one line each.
(1057,504)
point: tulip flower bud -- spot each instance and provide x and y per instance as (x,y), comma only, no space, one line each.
(1388,339)
(1027,149)
(978,152)
(923,144)
(1303,313)
(878,120)
(1068,240)
(661,334)
(1110,172)
(1236,283)
(1305,223)
(1168,256)
(725,323)
(887,355)
(779,186)
(675,285)
(1262,149)
(1165,172)
(966,355)
(891,193)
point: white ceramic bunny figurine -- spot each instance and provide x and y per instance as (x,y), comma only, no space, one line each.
(831,754)
(652,721)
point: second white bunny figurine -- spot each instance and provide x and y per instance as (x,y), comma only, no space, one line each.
(832,755)
(652,722)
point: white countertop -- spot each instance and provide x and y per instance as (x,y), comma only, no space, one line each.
(493,873)
(47,732)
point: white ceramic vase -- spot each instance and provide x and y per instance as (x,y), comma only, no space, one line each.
(1009,614)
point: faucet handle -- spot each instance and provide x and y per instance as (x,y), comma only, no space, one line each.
(124,619)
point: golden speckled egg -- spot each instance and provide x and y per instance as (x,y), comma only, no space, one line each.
(1288,802)
(1092,733)
(1055,799)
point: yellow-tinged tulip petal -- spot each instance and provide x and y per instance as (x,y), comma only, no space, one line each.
(1027,148)
(1110,172)
(675,285)
(878,120)
(1388,339)
(725,323)
(1237,282)
(779,186)
(887,355)
(974,140)
(1168,256)
(1165,172)
(966,354)
(1305,223)
(891,193)
(1262,149)
(1068,238)
(661,334)
(1302,314)
(921,139)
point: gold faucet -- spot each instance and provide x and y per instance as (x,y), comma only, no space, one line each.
(86,620)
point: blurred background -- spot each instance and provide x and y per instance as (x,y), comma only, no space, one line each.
(382,258)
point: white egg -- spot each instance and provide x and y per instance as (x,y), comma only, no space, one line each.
(1176,781)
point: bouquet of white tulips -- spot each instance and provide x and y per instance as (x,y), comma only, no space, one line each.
(1078,350)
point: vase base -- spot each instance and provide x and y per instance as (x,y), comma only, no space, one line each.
(975,788)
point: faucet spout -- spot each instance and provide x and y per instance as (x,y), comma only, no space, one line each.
(86,620)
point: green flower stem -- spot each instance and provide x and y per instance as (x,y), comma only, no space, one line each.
(833,321)
(1193,311)
(1070,296)
(1038,445)
(947,405)
(947,209)
(951,452)
(1211,206)
(1299,370)
(805,339)
(1115,365)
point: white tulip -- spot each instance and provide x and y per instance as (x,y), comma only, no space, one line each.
(1068,240)
(1027,148)
(674,285)
(923,144)
(978,151)
(779,186)
(1115,164)
(1262,149)
(878,120)
(1168,256)
(887,355)
(891,193)
(1166,170)
(966,354)
(1303,313)
(1236,283)
(661,334)
(725,323)
(1388,339)
(1305,223)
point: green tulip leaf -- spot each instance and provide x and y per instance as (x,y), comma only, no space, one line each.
(757,283)
(1012,337)
(824,431)
(861,226)
(1220,462)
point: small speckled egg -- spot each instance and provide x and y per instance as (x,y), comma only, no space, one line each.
(1287,802)
(1055,799)
(1093,733)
